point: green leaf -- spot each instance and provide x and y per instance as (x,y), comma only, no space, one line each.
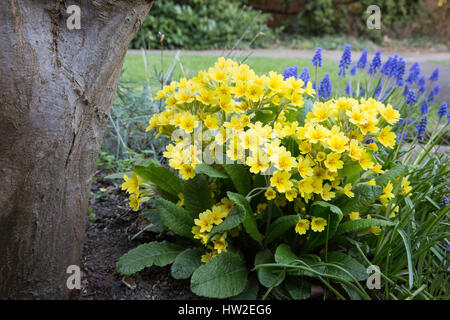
(356,225)
(365,195)
(221,277)
(186,263)
(349,263)
(234,218)
(146,255)
(210,171)
(161,177)
(268,277)
(240,177)
(175,218)
(298,287)
(351,172)
(279,227)
(303,112)
(407,244)
(251,290)
(284,254)
(197,196)
(391,175)
(249,221)
(332,207)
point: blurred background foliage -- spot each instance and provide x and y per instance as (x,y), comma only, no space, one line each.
(213,24)
(203,24)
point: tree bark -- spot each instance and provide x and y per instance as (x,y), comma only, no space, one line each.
(56,90)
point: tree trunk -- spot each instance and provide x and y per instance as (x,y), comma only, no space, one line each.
(56,90)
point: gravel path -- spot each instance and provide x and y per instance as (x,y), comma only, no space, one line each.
(410,57)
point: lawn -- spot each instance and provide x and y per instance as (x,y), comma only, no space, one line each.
(134,66)
(443,62)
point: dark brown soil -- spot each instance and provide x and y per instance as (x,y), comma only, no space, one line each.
(111,226)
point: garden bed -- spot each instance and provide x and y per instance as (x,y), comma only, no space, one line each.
(110,227)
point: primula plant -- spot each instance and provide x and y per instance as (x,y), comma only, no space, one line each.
(270,184)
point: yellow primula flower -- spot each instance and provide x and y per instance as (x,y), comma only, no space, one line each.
(281,181)
(302,226)
(354,216)
(270,194)
(291,194)
(387,137)
(318,224)
(204,221)
(326,192)
(333,162)
(131,184)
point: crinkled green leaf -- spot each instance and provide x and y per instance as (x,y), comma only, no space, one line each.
(197,196)
(146,255)
(391,175)
(186,263)
(162,177)
(175,218)
(210,171)
(223,276)
(279,227)
(240,177)
(249,221)
(268,277)
(356,225)
(234,218)
(365,195)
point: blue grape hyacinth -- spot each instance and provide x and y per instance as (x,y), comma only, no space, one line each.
(362,62)
(317,59)
(346,60)
(290,72)
(421,127)
(424,107)
(375,64)
(325,87)
(435,75)
(305,76)
(442,110)
(410,97)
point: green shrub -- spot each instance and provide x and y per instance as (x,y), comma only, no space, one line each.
(324,17)
(201,24)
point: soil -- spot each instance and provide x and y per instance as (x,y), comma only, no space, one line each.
(111,225)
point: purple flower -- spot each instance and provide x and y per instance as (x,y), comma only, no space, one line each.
(436,90)
(421,83)
(442,110)
(402,139)
(353,71)
(421,127)
(325,87)
(290,72)
(399,72)
(410,97)
(305,76)
(362,62)
(424,107)
(435,75)
(348,87)
(414,72)
(346,60)
(317,59)
(375,64)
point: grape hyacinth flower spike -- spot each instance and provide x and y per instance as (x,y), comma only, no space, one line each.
(345,61)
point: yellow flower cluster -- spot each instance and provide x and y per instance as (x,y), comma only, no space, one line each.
(242,117)
(131,186)
(204,224)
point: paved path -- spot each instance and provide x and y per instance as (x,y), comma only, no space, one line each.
(410,57)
